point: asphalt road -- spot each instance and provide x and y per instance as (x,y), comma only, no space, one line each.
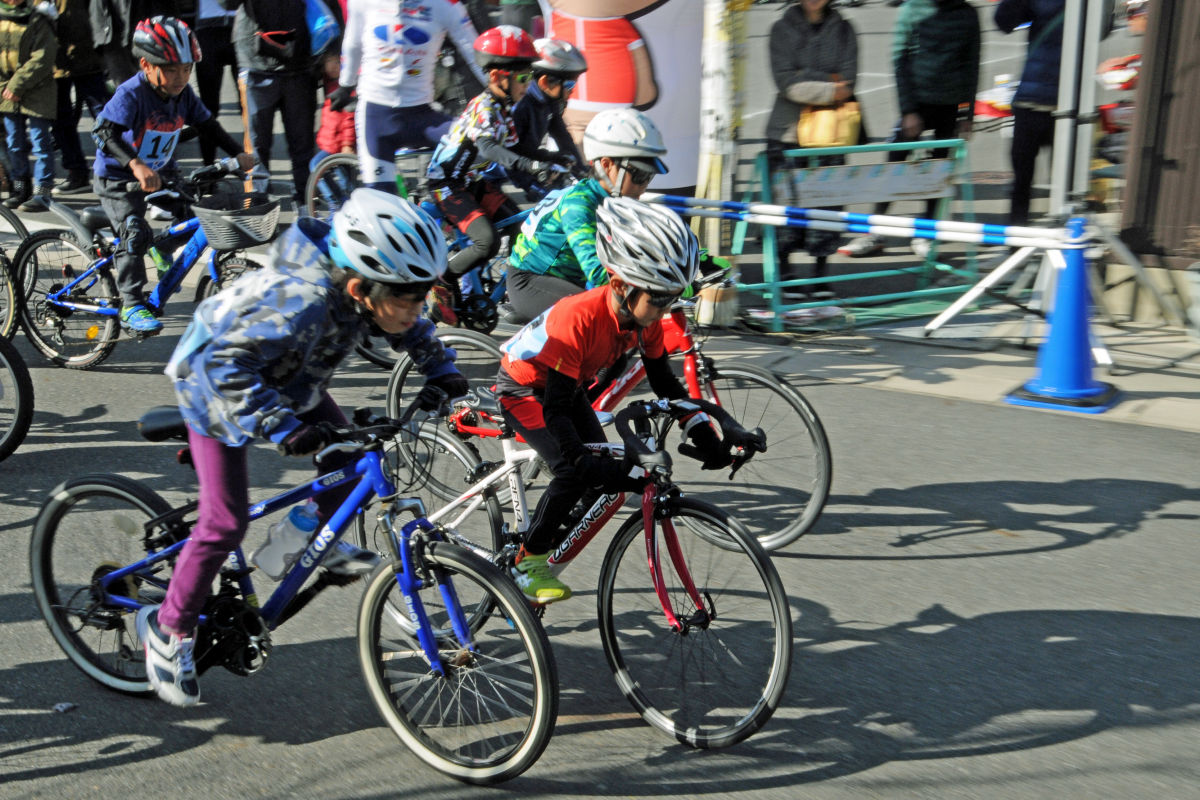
(997,603)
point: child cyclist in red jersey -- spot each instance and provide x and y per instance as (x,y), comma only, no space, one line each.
(651,257)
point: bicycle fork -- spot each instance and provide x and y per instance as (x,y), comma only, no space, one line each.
(704,612)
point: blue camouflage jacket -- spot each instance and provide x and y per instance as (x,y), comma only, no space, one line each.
(264,349)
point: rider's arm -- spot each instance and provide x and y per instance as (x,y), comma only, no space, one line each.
(108,136)
(352,47)
(211,130)
(492,150)
(662,379)
(579,221)
(432,358)
(463,34)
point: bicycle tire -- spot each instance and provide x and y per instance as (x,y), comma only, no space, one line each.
(330,184)
(713,685)
(90,524)
(230,267)
(453,723)
(10,299)
(778,495)
(12,233)
(375,350)
(436,467)
(16,399)
(71,339)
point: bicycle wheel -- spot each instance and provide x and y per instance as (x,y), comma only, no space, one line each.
(45,263)
(230,267)
(10,309)
(717,682)
(779,494)
(16,399)
(377,351)
(491,717)
(330,184)
(436,467)
(477,357)
(91,526)
(12,233)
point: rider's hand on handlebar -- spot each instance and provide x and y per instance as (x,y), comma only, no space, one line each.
(706,446)
(147,179)
(308,439)
(246,161)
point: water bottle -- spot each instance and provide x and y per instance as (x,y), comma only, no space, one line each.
(286,539)
(161,264)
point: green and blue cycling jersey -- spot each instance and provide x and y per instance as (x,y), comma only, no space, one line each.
(559,236)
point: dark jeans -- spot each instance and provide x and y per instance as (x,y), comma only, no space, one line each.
(294,96)
(216,43)
(818,244)
(90,90)
(223,516)
(1032,130)
(943,121)
(119,63)
(127,210)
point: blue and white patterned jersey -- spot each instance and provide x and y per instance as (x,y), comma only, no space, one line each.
(263,350)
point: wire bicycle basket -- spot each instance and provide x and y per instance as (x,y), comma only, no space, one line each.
(237,221)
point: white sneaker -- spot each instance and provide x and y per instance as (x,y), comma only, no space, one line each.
(863,246)
(169,660)
(921,247)
(154,212)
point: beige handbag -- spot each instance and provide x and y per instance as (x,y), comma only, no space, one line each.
(829,126)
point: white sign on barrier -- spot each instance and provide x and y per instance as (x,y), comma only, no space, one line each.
(873,183)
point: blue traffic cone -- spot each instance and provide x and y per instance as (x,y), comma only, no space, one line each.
(1064,377)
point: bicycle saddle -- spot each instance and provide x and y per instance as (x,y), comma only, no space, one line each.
(95,219)
(161,423)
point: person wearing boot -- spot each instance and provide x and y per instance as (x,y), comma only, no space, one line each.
(28,100)
(79,68)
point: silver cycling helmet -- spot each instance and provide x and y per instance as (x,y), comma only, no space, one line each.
(558,58)
(625,134)
(647,246)
(388,239)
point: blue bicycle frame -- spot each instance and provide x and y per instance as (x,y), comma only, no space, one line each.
(168,282)
(470,281)
(369,479)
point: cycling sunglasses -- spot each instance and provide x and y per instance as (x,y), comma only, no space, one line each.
(567,85)
(638,175)
(659,300)
(521,77)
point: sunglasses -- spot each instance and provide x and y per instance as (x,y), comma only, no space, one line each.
(661,300)
(567,85)
(521,77)
(639,176)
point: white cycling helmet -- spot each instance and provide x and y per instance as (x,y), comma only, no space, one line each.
(625,134)
(388,239)
(647,246)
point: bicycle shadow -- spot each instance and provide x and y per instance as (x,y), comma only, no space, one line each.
(936,687)
(974,520)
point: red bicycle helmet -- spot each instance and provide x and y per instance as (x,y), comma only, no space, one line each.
(504,47)
(165,40)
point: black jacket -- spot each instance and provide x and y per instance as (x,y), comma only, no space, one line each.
(286,17)
(804,59)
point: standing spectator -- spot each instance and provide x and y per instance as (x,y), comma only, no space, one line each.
(274,53)
(388,55)
(935,53)
(28,100)
(525,14)
(814,60)
(336,134)
(214,31)
(112,24)
(1037,95)
(77,67)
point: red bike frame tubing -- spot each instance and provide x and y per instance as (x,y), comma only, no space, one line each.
(655,564)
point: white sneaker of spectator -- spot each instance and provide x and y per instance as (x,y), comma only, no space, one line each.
(921,247)
(863,246)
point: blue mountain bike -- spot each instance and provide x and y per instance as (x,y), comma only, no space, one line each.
(71,304)
(453,656)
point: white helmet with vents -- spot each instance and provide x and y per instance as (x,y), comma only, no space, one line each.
(388,239)
(647,246)
(624,133)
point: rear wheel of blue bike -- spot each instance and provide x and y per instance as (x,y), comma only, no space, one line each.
(75,338)
(491,715)
(718,678)
(16,399)
(330,184)
(90,527)
(230,267)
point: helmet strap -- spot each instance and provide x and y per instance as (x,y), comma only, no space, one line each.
(602,177)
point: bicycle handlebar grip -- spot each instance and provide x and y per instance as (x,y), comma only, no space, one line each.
(633,445)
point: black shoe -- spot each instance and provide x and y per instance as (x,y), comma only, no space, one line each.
(77,181)
(21,191)
(37,202)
